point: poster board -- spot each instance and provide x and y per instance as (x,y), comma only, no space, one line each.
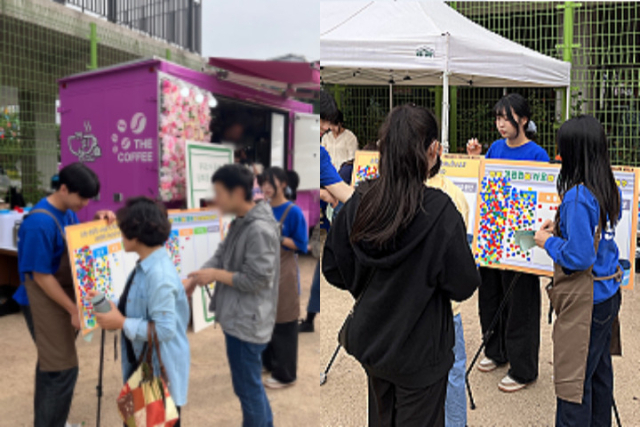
(365,166)
(202,160)
(515,195)
(98,261)
(463,171)
(195,236)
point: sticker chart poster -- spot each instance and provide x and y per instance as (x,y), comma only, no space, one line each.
(628,180)
(463,171)
(195,236)
(522,196)
(98,262)
(365,167)
(202,160)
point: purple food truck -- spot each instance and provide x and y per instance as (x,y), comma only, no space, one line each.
(130,124)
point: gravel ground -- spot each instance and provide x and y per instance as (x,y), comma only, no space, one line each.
(344,400)
(211,398)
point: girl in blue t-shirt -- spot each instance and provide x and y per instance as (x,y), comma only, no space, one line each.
(585,292)
(280,356)
(516,338)
(513,122)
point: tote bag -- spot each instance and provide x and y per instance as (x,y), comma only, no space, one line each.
(144,400)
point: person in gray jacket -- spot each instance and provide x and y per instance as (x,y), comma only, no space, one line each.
(246,271)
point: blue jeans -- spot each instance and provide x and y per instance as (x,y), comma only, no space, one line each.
(595,409)
(245,362)
(455,407)
(314,296)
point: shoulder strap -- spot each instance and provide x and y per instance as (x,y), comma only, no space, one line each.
(44,211)
(154,343)
(286,212)
(596,239)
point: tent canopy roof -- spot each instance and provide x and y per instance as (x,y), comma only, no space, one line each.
(406,43)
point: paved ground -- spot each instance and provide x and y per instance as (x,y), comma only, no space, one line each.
(343,398)
(211,398)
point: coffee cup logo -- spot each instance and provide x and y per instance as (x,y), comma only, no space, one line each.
(84,145)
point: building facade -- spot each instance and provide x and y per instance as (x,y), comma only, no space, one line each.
(42,41)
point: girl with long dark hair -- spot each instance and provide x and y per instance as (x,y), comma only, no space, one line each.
(401,249)
(280,358)
(516,338)
(586,287)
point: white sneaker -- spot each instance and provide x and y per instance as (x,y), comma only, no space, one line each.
(509,385)
(68,424)
(273,383)
(487,365)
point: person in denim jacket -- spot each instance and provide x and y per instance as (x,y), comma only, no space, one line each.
(154,292)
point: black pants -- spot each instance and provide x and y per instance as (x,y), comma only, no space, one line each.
(281,355)
(595,409)
(372,407)
(54,393)
(54,390)
(409,407)
(516,337)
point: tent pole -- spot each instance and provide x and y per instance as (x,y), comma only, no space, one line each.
(445,112)
(390,97)
(445,98)
(567,102)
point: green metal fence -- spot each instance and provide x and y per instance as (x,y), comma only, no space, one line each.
(601,39)
(41,42)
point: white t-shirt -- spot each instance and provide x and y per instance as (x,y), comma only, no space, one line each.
(342,148)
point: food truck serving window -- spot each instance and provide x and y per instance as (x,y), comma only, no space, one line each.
(257,134)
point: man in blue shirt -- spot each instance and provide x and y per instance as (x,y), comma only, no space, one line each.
(50,310)
(332,191)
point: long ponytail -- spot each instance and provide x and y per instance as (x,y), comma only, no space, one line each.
(391,202)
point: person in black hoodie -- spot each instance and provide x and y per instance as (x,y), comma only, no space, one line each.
(401,248)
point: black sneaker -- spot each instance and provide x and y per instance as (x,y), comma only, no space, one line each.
(305,326)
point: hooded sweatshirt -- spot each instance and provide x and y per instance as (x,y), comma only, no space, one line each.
(251,250)
(402,329)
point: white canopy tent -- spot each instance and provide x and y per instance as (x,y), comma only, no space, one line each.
(425,43)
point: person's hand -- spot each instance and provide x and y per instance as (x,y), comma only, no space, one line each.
(328,197)
(75,320)
(543,234)
(111,320)
(90,294)
(204,277)
(473,147)
(107,215)
(189,286)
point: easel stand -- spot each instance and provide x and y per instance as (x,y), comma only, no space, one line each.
(323,376)
(615,412)
(488,334)
(99,387)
